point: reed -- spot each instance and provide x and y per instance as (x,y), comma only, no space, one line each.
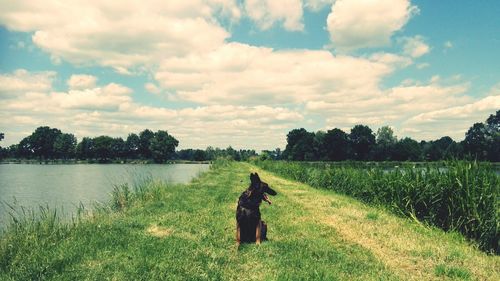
(455,196)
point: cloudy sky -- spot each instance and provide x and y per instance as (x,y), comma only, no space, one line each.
(244,73)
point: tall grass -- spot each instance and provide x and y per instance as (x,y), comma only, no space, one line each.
(457,196)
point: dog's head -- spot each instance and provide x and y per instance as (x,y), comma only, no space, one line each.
(260,189)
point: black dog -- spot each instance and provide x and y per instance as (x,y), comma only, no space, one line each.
(249,226)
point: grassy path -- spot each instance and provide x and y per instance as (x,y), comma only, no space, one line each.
(187,233)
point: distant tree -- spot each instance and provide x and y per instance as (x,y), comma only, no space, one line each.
(42,140)
(118,148)
(103,147)
(210,153)
(85,148)
(385,141)
(199,155)
(493,129)
(385,136)
(476,141)
(132,146)
(65,146)
(407,149)
(162,146)
(336,145)
(362,141)
(319,146)
(3,151)
(299,145)
(439,149)
(145,138)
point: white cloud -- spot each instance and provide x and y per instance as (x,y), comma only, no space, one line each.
(120,34)
(448,45)
(454,121)
(267,12)
(110,110)
(414,46)
(81,81)
(355,24)
(152,88)
(242,74)
(21,81)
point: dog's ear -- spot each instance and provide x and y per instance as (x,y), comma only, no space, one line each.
(253,179)
(257,177)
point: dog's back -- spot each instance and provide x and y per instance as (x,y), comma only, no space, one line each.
(247,216)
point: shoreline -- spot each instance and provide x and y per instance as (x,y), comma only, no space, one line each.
(74,161)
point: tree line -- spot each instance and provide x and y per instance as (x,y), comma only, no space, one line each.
(482,142)
(47,143)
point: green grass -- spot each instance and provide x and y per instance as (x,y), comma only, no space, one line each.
(186,232)
(455,196)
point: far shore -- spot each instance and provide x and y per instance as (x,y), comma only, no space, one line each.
(96,161)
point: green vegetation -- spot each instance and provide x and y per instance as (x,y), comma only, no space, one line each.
(49,144)
(482,142)
(156,231)
(457,196)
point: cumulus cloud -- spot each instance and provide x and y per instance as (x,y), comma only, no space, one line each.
(414,46)
(110,110)
(120,34)
(355,24)
(152,88)
(267,12)
(21,81)
(81,81)
(242,74)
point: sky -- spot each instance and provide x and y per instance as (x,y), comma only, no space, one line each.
(245,73)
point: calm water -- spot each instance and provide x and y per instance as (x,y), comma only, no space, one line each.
(65,186)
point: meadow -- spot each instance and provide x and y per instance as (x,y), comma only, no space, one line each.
(454,195)
(159,231)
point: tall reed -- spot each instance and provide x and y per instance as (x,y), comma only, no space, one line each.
(455,196)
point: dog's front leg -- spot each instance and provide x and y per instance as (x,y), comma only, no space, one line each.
(238,233)
(258,232)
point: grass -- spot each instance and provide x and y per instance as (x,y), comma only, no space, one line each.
(455,196)
(186,232)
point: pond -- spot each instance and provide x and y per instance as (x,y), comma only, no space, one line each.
(66,186)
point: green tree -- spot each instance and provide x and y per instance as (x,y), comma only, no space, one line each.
(336,145)
(407,149)
(362,141)
(65,146)
(319,147)
(476,141)
(145,138)
(162,146)
(103,147)
(493,129)
(118,148)
(385,141)
(132,145)
(85,148)
(299,145)
(42,140)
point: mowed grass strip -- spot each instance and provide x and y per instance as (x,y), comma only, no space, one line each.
(186,232)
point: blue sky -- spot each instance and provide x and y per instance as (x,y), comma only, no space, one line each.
(244,73)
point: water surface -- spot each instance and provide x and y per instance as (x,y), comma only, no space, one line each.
(66,186)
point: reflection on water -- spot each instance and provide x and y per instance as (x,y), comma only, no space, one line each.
(66,186)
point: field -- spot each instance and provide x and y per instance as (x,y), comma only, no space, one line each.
(455,195)
(181,232)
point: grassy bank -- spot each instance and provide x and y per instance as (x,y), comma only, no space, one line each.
(458,196)
(186,232)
